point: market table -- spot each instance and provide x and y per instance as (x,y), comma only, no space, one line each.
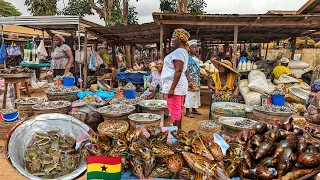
(14,79)
(36,67)
(133,77)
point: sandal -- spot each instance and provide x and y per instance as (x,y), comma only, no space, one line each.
(197,113)
(189,115)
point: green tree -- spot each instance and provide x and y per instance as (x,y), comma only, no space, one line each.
(42,7)
(194,6)
(7,9)
(132,16)
(77,7)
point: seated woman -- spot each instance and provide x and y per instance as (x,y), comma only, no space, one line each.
(139,65)
(282,68)
(154,83)
(224,83)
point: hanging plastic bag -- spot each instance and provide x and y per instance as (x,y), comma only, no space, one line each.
(98,59)
(41,51)
(92,62)
(13,50)
(80,56)
(3,52)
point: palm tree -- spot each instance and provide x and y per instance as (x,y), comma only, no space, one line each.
(7,9)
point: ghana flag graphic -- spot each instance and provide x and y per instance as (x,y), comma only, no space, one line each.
(107,168)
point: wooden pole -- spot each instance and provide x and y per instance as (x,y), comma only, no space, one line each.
(161,41)
(293,47)
(306,41)
(203,54)
(85,68)
(235,45)
(267,50)
(114,58)
(165,48)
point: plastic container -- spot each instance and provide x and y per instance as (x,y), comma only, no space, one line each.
(11,117)
(68,81)
(130,94)
(77,79)
(278,100)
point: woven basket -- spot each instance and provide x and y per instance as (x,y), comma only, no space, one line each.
(70,98)
(209,131)
(25,108)
(115,132)
(92,119)
(108,119)
(268,117)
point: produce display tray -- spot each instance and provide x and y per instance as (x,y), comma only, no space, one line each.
(146,105)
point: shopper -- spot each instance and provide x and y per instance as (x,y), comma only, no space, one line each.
(173,76)
(154,83)
(192,100)
(62,57)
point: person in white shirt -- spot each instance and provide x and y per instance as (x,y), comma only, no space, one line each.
(173,76)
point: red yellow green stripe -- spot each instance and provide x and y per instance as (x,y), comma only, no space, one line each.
(103,160)
(109,168)
(103,175)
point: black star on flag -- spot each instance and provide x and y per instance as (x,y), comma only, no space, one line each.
(104,168)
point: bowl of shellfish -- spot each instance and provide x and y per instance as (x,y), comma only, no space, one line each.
(52,107)
(153,105)
(45,147)
(116,110)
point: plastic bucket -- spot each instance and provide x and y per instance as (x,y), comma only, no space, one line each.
(278,100)
(68,81)
(130,94)
(11,117)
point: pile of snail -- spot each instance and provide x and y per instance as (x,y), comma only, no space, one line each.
(273,152)
(151,156)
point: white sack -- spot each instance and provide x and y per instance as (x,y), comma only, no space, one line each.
(258,82)
(284,79)
(41,51)
(252,98)
(298,65)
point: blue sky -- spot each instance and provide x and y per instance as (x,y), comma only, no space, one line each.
(146,7)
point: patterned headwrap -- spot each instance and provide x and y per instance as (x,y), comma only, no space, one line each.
(61,39)
(183,35)
(315,87)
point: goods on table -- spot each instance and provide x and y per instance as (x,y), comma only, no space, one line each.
(30,100)
(113,128)
(208,125)
(287,108)
(89,98)
(58,89)
(116,109)
(271,152)
(129,86)
(278,92)
(50,155)
(233,125)
(8,111)
(258,82)
(144,117)
(68,74)
(125,101)
(16,70)
(152,157)
(52,105)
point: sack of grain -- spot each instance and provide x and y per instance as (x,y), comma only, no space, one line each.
(243,87)
(252,98)
(258,82)
(298,65)
(285,79)
(297,72)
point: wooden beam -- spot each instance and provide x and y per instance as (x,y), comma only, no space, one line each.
(161,41)
(114,58)
(235,45)
(305,6)
(96,35)
(85,66)
(213,23)
(294,41)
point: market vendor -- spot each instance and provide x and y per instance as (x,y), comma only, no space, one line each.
(192,100)
(315,74)
(224,83)
(154,83)
(282,68)
(62,58)
(139,65)
(315,88)
(173,76)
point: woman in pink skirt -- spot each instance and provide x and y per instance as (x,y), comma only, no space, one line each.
(173,76)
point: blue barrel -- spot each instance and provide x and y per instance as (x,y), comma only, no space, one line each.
(68,81)
(278,100)
(11,117)
(130,94)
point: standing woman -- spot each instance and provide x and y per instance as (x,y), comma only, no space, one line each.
(173,76)
(62,57)
(193,76)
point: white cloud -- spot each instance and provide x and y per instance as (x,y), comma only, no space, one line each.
(146,7)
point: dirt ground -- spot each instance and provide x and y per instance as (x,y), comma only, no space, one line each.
(8,172)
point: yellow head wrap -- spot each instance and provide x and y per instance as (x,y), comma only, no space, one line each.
(183,35)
